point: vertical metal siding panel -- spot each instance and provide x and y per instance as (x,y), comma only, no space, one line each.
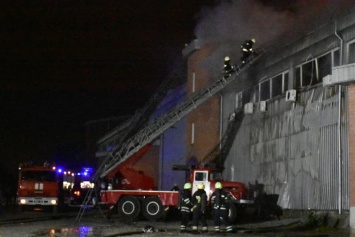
(293,151)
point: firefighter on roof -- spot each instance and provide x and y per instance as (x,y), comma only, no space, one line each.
(185,205)
(247,49)
(220,203)
(199,202)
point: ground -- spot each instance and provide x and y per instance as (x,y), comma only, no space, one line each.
(34,223)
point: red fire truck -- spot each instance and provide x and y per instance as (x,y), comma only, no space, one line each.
(38,185)
(132,193)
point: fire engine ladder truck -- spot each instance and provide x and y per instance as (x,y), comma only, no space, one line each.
(153,129)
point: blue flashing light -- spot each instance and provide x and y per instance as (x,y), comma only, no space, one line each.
(59,170)
(85,173)
(78,173)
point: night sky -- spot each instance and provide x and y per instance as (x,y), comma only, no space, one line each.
(64,63)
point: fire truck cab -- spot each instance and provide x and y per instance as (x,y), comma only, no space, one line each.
(38,185)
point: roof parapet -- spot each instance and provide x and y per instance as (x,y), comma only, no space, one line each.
(191,48)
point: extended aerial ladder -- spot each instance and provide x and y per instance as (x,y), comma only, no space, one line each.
(157,127)
(152,130)
(114,139)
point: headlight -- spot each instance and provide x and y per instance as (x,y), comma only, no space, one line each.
(109,187)
(22,201)
(54,202)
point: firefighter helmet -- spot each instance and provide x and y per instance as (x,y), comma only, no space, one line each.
(200,186)
(187,186)
(254,40)
(218,185)
(226,58)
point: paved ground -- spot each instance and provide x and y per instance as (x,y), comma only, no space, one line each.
(93,223)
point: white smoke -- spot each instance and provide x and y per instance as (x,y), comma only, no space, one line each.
(231,22)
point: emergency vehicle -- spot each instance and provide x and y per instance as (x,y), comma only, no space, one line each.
(79,184)
(38,185)
(130,192)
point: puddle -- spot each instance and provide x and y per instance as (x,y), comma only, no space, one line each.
(81,231)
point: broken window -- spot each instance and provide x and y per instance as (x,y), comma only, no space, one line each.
(324,66)
(309,74)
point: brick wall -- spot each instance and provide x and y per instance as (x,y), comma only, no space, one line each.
(351,91)
(206,117)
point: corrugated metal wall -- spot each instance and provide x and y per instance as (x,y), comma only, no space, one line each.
(293,150)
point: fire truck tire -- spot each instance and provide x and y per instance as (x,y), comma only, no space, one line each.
(129,207)
(232,212)
(153,209)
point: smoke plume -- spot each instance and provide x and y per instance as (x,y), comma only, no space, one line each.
(272,23)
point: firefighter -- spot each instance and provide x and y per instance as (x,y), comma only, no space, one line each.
(220,203)
(227,68)
(199,202)
(247,49)
(175,187)
(185,206)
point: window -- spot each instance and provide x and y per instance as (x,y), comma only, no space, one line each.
(309,74)
(285,81)
(298,77)
(351,49)
(306,74)
(324,66)
(200,176)
(276,85)
(265,90)
(40,176)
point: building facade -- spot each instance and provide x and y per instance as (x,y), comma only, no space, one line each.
(296,136)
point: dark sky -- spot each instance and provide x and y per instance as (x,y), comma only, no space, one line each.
(64,62)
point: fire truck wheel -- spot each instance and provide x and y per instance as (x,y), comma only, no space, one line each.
(153,210)
(129,207)
(232,212)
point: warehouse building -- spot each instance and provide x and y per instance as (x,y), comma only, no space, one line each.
(296,109)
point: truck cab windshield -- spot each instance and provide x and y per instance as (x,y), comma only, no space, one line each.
(48,176)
